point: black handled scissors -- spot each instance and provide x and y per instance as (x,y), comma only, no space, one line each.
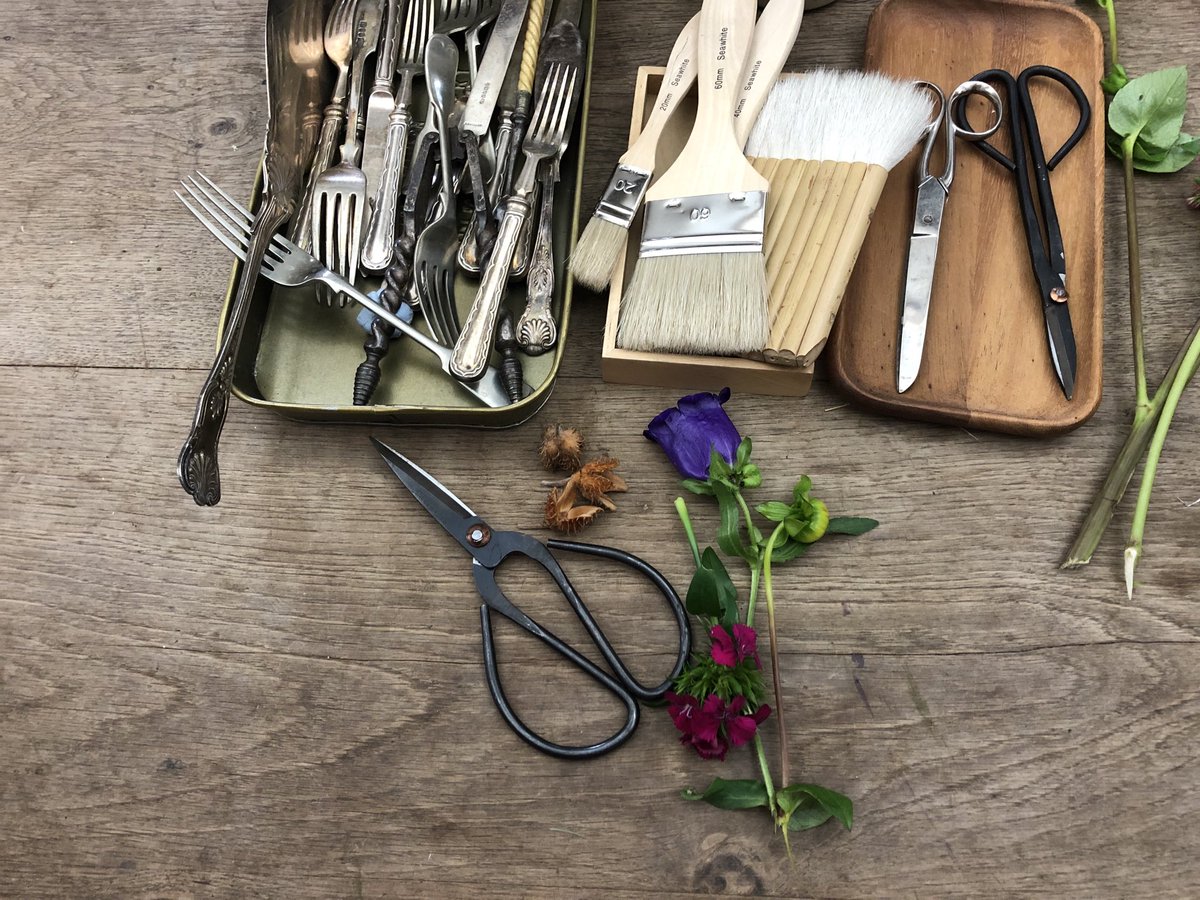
(1028,164)
(489,549)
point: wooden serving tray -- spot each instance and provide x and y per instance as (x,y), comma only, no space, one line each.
(987,361)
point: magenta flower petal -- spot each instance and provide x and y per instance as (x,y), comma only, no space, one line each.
(745,640)
(741,729)
(723,650)
(691,430)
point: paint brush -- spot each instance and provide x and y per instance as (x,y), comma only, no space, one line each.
(826,141)
(699,286)
(600,247)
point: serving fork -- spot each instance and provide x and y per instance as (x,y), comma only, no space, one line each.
(419,20)
(546,137)
(340,194)
(286,264)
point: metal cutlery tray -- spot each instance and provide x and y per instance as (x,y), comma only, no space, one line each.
(298,357)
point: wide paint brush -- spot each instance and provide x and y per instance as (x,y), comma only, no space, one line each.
(826,140)
(599,251)
(700,286)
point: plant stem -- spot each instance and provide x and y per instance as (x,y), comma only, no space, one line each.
(755,572)
(1135,277)
(1174,391)
(681,508)
(1111,9)
(784,767)
(761,753)
(1105,502)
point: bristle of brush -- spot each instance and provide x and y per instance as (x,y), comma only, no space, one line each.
(844,116)
(670,302)
(598,252)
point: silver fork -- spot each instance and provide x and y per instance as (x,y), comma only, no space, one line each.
(288,265)
(435,257)
(381,227)
(547,136)
(340,194)
(339,43)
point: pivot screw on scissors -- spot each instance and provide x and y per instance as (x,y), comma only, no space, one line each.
(491,548)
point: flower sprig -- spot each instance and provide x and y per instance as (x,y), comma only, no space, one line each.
(718,703)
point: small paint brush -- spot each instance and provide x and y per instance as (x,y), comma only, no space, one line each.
(604,237)
(599,248)
(700,286)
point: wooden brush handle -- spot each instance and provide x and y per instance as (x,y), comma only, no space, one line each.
(709,162)
(774,37)
(841,265)
(677,81)
(798,270)
(793,250)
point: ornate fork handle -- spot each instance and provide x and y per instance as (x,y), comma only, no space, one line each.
(475,343)
(536,330)
(197,467)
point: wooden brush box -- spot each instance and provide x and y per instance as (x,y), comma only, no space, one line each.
(675,370)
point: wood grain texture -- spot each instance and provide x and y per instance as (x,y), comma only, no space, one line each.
(986,362)
(283,696)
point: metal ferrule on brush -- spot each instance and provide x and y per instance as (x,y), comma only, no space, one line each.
(712,223)
(623,196)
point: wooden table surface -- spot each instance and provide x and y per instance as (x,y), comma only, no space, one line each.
(283,696)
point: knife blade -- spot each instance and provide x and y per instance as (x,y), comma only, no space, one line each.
(485,92)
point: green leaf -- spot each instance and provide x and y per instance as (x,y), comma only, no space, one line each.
(725,591)
(751,476)
(1151,107)
(703,597)
(743,452)
(729,535)
(809,814)
(1182,154)
(775,511)
(837,805)
(854,525)
(697,487)
(718,467)
(803,486)
(731,794)
(788,551)
(1116,78)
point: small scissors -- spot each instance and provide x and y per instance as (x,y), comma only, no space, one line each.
(932,193)
(489,549)
(1045,252)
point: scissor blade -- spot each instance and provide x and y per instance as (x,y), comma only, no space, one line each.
(1062,345)
(438,500)
(918,285)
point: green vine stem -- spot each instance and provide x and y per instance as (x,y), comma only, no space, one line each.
(1133,551)
(1135,278)
(761,753)
(784,766)
(681,508)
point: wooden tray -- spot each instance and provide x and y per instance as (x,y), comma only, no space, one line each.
(987,361)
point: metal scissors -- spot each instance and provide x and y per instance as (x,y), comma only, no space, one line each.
(489,549)
(932,193)
(1028,163)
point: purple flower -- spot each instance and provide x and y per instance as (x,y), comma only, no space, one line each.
(712,727)
(730,649)
(691,430)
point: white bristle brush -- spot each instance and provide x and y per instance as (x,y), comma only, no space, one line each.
(598,253)
(830,137)
(699,286)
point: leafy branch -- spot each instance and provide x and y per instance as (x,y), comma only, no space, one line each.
(1145,130)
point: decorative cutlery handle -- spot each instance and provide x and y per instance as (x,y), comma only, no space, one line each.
(475,343)
(536,330)
(301,230)
(381,229)
(485,230)
(197,467)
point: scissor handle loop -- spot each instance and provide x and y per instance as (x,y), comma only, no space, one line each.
(625,686)
(1031,124)
(956,127)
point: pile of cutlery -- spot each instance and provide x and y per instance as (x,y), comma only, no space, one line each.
(422,194)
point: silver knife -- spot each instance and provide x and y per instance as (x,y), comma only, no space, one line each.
(485,93)
(381,100)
